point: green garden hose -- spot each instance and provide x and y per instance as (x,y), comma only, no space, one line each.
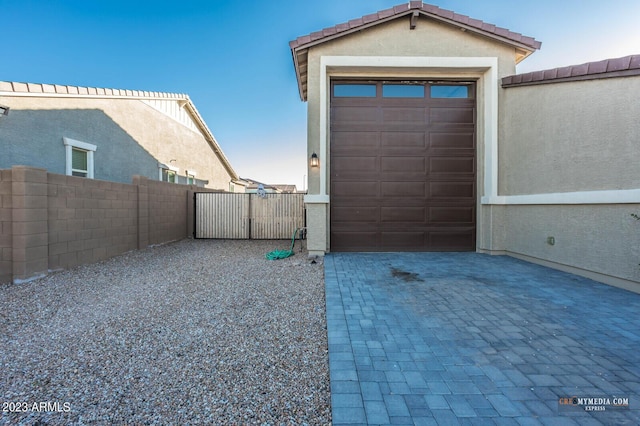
(283,254)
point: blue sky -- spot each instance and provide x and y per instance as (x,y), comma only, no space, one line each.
(233,59)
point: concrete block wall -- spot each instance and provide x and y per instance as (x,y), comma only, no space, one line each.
(168,207)
(29,222)
(50,221)
(89,220)
(6,228)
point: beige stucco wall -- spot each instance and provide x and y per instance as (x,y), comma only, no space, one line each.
(159,135)
(575,136)
(395,39)
(599,241)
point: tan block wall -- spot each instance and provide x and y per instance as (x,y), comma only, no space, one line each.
(29,222)
(6,228)
(169,211)
(89,220)
(50,221)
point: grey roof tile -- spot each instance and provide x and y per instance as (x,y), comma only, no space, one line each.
(625,66)
(301,43)
(618,64)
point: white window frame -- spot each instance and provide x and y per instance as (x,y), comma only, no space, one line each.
(190,175)
(168,168)
(69,145)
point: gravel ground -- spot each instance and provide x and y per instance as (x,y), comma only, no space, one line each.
(192,332)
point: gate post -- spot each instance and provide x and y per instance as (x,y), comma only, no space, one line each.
(191,214)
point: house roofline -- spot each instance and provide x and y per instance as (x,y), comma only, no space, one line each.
(524,45)
(627,66)
(17,89)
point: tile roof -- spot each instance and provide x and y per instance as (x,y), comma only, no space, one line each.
(427,9)
(616,67)
(300,45)
(57,89)
(608,68)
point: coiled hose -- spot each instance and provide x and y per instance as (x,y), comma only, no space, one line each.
(283,254)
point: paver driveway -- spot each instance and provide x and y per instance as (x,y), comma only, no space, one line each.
(466,338)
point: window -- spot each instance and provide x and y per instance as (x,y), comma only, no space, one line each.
(402,91)
(79,158)
(168,173)
(79,162)
(169,176)
(354,90)
(450,92)
(191,178)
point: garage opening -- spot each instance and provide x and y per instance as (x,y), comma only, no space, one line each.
(403,166)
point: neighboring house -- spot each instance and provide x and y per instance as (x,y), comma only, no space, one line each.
(423,139)
(110,134)
(252,187)
(286,189)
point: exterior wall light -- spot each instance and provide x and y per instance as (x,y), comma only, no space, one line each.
(314,161)
(4,110)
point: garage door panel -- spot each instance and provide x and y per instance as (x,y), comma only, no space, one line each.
(354,240)
(355,140)
(450,140)
(355,214)
(403,214)
(403,178)
(452,215)
(407,240)
(402,164)
(456,190)
(451,165)
(403,139)
(465,115)
(354,189)
(403,115)
(349,114)
(355,163)
(402,189)
(452,240)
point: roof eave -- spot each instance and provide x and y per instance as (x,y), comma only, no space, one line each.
(213,143)
(523,50)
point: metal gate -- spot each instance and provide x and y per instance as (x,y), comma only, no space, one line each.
(248,216)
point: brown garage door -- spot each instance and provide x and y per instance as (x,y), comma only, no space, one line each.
(403,166)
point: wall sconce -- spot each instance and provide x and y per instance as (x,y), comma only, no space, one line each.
(314,161)
(4,110)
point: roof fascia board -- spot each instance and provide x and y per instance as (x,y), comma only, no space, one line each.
(479,31)
(213,143)
(410,12)
(296,67)
(352,30)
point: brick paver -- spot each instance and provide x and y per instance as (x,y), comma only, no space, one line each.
(466,338)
